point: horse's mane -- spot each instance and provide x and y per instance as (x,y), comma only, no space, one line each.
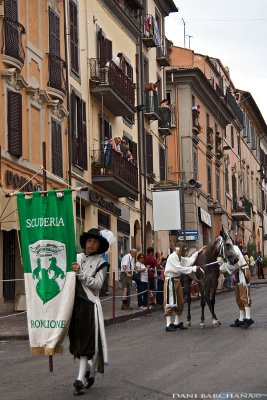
(209,253)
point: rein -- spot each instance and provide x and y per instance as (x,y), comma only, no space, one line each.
(221,253)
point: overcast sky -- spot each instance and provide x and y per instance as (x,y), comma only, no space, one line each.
(235,31)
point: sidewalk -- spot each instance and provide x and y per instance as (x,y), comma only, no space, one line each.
(14,325)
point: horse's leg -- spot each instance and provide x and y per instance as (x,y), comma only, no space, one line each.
(188,295)
(210,296)
(202,303)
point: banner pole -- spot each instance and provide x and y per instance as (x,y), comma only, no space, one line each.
(80,189)
(113,297)
(45,189)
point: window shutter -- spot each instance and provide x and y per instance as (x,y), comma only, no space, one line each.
(149,154)
(84,136)
(133,150)
(54,33)
(108,47)
(11,9)
(74,37)
(101,47)
(73,127)
(14,123)
(57,162)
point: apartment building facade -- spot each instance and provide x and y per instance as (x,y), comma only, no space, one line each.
(210,134)
(34,148)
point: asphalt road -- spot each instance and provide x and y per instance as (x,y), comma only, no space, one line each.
(147,363)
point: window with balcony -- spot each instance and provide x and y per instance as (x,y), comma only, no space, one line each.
(14,122)
(74,37)
(56,148)
(56,65)
(149,153)
(209,178)
(78,131)
(162,169)
(13,31)
(218,185)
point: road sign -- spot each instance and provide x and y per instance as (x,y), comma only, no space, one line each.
(189,235)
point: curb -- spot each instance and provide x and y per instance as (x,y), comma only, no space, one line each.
(121,318)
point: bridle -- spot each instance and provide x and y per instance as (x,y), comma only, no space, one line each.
(221,253)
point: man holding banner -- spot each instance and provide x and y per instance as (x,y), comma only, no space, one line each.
(87,331)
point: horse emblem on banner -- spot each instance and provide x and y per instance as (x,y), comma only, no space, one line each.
(48,265)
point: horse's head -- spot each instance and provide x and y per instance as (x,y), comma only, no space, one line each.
(227,248)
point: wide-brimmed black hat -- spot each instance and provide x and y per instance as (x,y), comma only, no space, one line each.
(94,233)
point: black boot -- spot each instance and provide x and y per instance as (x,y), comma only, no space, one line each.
(89,381)
(247,323)
(79,388)
(180,326)
(237,324)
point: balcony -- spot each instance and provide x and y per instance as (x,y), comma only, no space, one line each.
(242,211)
(152,106)
(230,100)
(210,138)
(151,37)
(57,81)
(163,52)
(115,174)
(164,125)
(110,82)
(12,47)
(195,121)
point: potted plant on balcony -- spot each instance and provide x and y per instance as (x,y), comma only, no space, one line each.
(96,167)
(151,178)
(219,154)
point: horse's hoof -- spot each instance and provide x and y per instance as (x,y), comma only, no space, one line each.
(216,323)
(188,323)
(202,325)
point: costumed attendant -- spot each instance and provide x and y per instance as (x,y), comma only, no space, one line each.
(242,289)
(173,291)
(87,332)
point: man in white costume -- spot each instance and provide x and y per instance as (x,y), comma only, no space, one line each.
(242,289)
(173,291)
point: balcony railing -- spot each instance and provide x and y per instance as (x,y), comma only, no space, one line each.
(163,52)
(210,137)
(114,173)
(152,106)
(242,211)
(164,125)
(12,47)
(230,100)
(56,68)
(118,89)
(130,7)
(151,37)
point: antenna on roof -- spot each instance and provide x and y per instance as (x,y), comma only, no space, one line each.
(184,30)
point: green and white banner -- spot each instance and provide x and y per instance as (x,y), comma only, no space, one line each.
(48,250)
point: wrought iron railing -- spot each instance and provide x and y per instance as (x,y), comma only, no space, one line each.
(245,206)
(163,50)
(105,72)
(12,32)
(111,162)
(230,100)
(56,67)
(151,102)
(165,117)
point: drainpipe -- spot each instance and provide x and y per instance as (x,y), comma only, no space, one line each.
(141,142)
(66,35)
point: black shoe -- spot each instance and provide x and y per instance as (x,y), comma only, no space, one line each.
(89,381)
(237,324)
(79,388)
(247,323)
(170,328)
(180,326)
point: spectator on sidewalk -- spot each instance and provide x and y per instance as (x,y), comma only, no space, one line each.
(252,264)
(150,262)
(142,285)
(259,262)
(160,277)
(127,268)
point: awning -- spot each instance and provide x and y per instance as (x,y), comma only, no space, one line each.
(8,212)
(205,217)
